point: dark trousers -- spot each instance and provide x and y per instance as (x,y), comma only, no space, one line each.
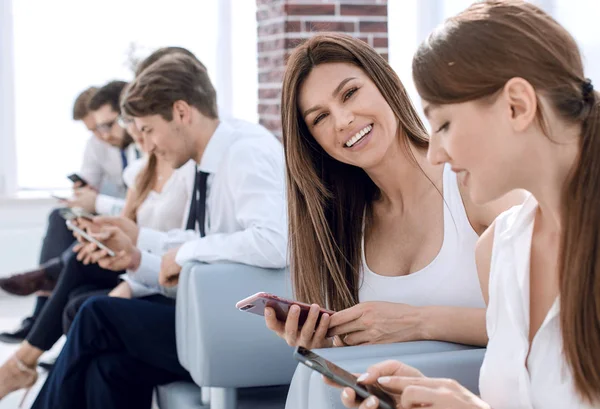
(76,299)
(48,327)
(57,245)
(116,352)
(57,240)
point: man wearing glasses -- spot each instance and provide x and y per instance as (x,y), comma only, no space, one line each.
(118,152)
(106,155)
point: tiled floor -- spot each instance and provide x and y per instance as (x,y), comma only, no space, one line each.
(12,310)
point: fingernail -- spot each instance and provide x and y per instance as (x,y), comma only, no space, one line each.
(371,402)
(295,309)
(363,377)
(384,379)
(267,313)
(345,394)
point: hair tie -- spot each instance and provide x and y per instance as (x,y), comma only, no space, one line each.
(587,88)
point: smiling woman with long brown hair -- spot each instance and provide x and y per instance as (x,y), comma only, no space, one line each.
(376,232)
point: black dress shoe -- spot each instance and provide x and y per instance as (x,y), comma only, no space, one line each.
(20,334)
(47,365)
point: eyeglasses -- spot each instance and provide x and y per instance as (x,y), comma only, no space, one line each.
(106,127)
(124,121)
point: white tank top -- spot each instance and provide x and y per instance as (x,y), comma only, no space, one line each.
(509,379)
(450,279)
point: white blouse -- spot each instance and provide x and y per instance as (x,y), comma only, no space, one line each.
(510,379)
(161,211)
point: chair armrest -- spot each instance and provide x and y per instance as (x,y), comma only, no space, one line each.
(462,365)
(384,351)
(307,385)
(221,346)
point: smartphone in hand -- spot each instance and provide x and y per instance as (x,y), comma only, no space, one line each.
(342,377)
(74,177)
(89,238)
(75,212)
(257,303)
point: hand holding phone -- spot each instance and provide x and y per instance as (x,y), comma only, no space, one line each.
(62,199)
(84,214)
(257,303)
(75,213)
(297,323)
(75,178)
(89,238)
(343,377)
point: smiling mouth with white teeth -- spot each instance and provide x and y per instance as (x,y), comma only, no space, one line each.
(359,136)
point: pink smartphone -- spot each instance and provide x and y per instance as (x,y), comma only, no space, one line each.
(257,303)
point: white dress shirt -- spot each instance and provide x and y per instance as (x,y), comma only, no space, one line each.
(516,374)
(103,169)
(161,211)
(246,220)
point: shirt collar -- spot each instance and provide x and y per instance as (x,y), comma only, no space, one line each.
(217,146)
(523,218)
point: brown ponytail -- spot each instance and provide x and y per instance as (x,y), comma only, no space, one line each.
(144,183)
(472,56)
(580,260)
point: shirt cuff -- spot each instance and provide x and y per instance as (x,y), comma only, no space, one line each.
(109,205)
(148,270)
(185,253)
(139,290)
(150,240)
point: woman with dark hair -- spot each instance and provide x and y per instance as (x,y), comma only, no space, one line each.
(504,89)
(377,233)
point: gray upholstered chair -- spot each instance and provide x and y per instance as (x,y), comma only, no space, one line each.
(239,363)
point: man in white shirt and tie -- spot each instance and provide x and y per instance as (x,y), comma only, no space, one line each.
(239,215)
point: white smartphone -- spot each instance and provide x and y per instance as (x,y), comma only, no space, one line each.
(89,238)
(80,212)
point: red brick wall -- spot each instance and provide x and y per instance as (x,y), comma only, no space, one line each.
(283,24)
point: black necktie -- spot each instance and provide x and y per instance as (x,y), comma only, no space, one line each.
(124,158)
(198,204)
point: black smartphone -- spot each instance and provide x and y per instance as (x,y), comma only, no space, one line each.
(342,377)
(74,177)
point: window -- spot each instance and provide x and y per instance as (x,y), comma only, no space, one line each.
(58,52)
(410,21)
(580,18)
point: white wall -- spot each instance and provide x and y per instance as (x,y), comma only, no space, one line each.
(8,180)
(22,227)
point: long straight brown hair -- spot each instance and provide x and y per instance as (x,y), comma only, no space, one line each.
(472,56)
(326,198)
(144,183)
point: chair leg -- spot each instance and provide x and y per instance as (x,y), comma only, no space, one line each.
(205,396)
(223,398)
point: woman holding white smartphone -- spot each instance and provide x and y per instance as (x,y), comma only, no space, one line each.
(504,89)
